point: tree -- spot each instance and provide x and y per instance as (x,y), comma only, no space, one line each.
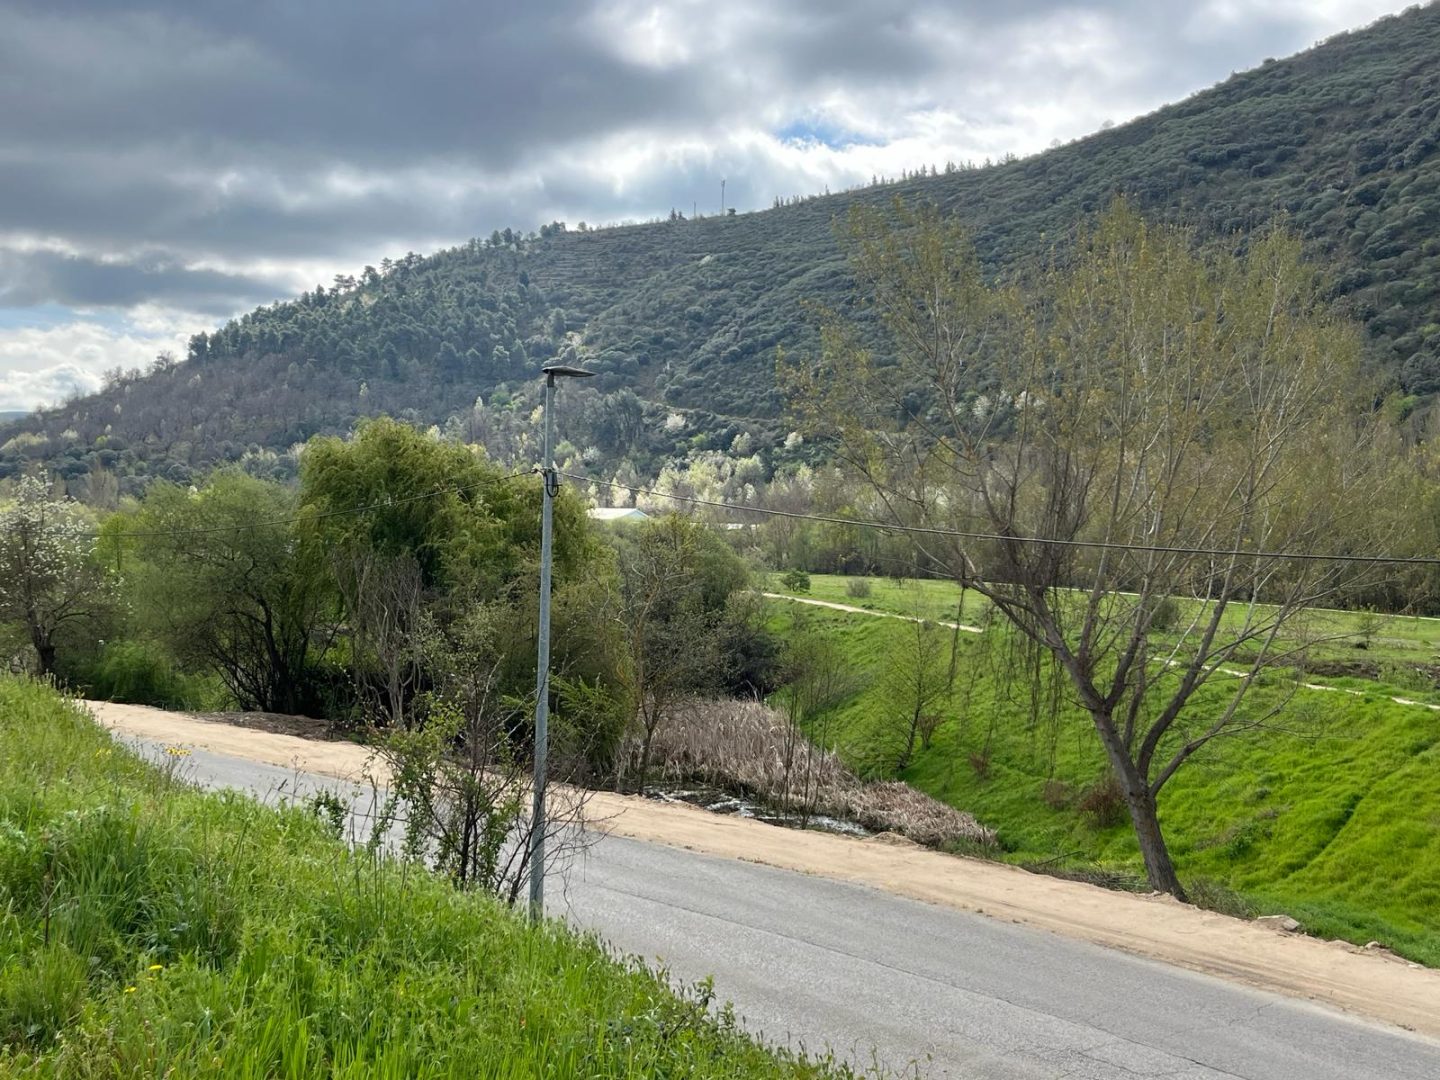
(51,582)
(457,775)
(675,580)
(915,676)
(396,491)
(223,578)
(1139,425)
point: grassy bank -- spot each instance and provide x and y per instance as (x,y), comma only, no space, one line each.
(1336,821)
(1394,644)
(147,929)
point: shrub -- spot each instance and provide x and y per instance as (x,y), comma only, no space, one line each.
(1104,803)
(1057,795)
(142,673)
(858,588)
(1214,895)
(795,580)
(1166,615)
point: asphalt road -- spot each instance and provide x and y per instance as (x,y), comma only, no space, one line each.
(912,988)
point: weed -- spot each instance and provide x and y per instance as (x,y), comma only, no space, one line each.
(1057,794)
(1212,895)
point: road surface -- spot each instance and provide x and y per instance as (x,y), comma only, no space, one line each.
(918,988)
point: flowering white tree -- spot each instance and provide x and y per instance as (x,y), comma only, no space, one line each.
(50,580)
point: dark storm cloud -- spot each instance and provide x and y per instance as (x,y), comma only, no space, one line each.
(206,131)
(30,279)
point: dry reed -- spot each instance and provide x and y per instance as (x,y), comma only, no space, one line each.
(752,747)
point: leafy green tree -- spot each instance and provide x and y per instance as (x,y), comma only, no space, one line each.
(398,492)
(52,585)
(676,579)
(221,576)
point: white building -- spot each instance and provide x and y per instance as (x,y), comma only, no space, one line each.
(608,514)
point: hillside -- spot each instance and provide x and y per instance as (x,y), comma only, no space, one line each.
(1330,819)
(682,317)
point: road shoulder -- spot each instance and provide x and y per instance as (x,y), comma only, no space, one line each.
(1339,975)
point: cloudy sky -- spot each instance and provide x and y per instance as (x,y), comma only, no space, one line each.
(165,165)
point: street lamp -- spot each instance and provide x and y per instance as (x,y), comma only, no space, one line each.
(542,670)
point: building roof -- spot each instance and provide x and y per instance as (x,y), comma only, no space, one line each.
(617,513)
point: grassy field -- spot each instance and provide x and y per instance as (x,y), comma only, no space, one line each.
(1336,821)
(1395,647)
(147,929)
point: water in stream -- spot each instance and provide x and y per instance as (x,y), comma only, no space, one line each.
(719,801)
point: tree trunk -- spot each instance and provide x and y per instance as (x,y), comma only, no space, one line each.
(909,750)
(1158,868)
(644,762)
(46,654)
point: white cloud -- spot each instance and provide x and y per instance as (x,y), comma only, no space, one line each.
(44,365)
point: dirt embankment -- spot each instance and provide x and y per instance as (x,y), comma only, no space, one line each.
(1339,975)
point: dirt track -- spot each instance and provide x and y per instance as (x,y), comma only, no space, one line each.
(1331,973)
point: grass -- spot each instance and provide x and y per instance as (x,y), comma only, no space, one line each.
(1335,821)
(1395,644)
(148,929)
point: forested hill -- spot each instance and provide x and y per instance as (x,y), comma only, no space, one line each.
(682,317)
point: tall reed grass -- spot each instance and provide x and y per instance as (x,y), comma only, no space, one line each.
(750,746)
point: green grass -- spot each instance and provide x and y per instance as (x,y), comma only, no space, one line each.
(1335,821)
(1394,643)
(147,929)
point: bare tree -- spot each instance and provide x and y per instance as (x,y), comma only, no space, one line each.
(1142,425)
(670,633)
(382,596)
(458,779)
(818,677)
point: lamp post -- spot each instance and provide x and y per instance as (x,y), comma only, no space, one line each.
(542,669)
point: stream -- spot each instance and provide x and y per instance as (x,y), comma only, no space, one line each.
(719,801)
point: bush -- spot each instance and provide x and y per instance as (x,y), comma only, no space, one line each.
(142,673)
(1057,795)
(1104,803)
(857,588)
(795,580)
(1166,615)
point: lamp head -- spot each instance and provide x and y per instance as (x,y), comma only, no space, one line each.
(565,371)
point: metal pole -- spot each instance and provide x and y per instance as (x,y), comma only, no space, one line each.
(542,672)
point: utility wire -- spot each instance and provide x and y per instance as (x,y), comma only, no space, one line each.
(264,524)
(922,530)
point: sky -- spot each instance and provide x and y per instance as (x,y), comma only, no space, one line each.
(166,165)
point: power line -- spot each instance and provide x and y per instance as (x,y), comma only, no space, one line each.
(320,515)
(960,534)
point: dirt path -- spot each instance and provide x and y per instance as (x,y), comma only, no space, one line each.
(978,630)
(1331,973)
(869,611)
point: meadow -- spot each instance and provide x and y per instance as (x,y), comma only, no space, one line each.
(1333,819)
(149,929)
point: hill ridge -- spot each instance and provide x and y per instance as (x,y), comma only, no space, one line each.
(682,317)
